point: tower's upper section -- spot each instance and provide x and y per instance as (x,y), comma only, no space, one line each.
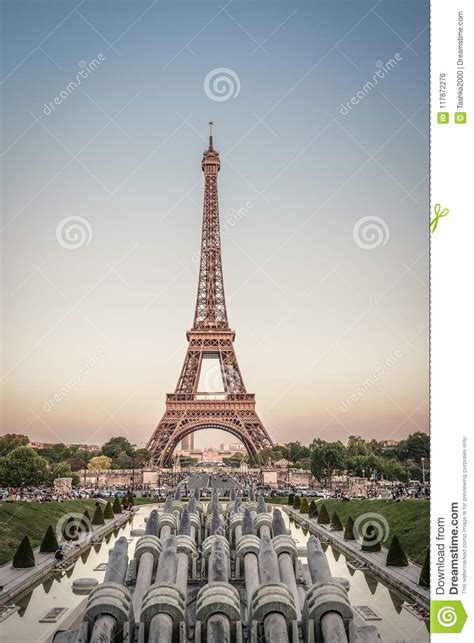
(211,314)
(210,160)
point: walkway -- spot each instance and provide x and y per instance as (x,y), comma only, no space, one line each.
(404,579)
(15,581)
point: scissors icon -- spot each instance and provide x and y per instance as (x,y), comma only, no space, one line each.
(439,214)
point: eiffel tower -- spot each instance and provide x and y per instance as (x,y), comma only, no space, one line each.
(210,393)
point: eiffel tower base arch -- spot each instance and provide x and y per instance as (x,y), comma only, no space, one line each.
(235,416)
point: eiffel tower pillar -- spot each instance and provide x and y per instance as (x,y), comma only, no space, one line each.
(195,405)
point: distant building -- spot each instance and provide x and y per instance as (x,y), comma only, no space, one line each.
(48,445)
(389,444)
(282,463)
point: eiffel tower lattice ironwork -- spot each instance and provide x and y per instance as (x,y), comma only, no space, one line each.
(227,406)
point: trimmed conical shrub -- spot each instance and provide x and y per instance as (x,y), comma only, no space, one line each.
(370,540)
(24,556)
(396,557)
(425,572)
(131,499)
(49,544)
(304,506)
(297,502)
(117,507)
(323,516)
(312,511)
(336,523)
(349,529)
(291,499)
(98,517)
(87,516)
(108,511)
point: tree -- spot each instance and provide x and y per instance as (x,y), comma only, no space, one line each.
(396,557)
(143,455)
(312,511)
(415,447)
(336,523)
(108,511)
(122,461)
(297,502)
(349,529)
(291,499)
(304,506)
(98,517)
(100,463)
(370,538)
(11,441)
(115,446)
(395,471)
(357,446)
(185,460)
(296,452)
(117,507)
(327,458)
(323,516)
(425,572)
(24,556)
(272,454)
(55,453)
(49,543)
(22,467)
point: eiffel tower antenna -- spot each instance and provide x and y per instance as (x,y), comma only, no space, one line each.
(210,134)
(193,406)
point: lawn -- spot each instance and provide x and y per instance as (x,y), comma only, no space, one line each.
(276,500)
(18,519)
(409,520)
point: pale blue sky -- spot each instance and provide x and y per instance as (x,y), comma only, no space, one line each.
(314,312)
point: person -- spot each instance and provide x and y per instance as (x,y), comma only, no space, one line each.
(59,555)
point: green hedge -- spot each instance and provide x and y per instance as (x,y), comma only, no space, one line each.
(24,556)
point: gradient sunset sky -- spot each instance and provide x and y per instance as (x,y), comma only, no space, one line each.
(315,312)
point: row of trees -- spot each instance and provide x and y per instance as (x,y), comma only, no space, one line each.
(22,466)
(406,460)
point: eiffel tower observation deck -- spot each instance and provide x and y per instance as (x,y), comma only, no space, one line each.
(210,393)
